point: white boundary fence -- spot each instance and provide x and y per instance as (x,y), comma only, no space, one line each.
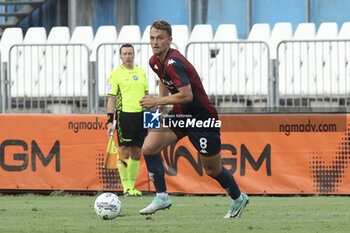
(313,75)
(235,75)
(47,78)
(238,76)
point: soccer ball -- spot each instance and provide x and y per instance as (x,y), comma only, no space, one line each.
(107,206)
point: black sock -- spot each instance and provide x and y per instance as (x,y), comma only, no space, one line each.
(227,181)
(155,169)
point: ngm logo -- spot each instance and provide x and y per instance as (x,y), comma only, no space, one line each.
(19,151)
(151,119)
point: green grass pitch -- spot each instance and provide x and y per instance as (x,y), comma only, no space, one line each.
(69,213)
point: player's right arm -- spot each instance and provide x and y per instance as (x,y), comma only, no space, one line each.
(112,86)
(163,91)
(111,102)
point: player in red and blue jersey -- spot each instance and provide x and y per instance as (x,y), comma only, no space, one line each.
(190,104)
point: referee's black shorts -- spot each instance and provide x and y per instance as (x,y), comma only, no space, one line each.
(130,129)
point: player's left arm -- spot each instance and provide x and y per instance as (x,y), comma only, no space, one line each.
(183,96)
(176,69)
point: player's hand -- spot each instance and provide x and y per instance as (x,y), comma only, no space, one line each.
(148,101)
(110,129)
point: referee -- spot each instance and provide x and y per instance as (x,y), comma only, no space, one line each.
(126,87)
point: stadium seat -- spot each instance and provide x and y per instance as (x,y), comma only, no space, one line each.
(82,35)
(302,65)
(223,72)
(104,34)
(201,32)
(254,62)
(180,37)
(325,55)
(305,31)
(251,63)
(327,30)
(104,54)
(226,32)
(142,60)
(343,68)
(10,37)
(146,34)
(254,67)
(294,65)
(30,65)
(55,60)
(281,31)
(259,32)
(198,51)
(222,68)
(130,34)
(35,35)
(58,35)
(344,32)
(74,80)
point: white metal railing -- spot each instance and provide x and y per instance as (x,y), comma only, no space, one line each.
(236,75)
(313,74)
(308,75)
(47,78)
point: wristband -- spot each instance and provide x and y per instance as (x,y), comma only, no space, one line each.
(110,117)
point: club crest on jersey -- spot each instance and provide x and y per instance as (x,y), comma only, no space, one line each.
(171,61)
(135,77)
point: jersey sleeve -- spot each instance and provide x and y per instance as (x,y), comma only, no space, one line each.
(145,83)
(152,64)
(112,85)
(177,70)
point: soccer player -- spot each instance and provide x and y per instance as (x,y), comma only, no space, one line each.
(126,86)
(189,98)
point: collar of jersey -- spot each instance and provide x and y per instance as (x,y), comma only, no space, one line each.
(124,68)
(166,57)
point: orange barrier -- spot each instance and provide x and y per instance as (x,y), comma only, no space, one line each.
(274,154)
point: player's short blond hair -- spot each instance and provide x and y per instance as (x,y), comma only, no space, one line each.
(162,25)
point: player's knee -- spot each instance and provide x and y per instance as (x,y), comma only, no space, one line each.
(128,154)
(137,150)
(136,153)
(147,149)
(125,151)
